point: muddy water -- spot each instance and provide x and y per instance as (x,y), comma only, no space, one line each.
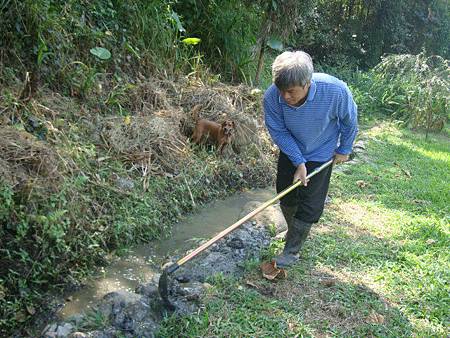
(142,262)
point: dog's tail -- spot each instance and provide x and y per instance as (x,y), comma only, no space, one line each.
(194,112)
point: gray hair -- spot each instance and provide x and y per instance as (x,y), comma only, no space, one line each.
(292,69)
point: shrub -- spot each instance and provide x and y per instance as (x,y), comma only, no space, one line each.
(414,89)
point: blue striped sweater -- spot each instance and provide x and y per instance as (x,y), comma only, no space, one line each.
(326,123)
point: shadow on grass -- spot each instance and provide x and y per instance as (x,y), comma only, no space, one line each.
(327,289)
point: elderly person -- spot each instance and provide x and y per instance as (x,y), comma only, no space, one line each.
(312,118)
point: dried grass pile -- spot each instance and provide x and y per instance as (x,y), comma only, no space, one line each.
(27,164)
(222,102)
(152,95)
(152,143)
(155,138)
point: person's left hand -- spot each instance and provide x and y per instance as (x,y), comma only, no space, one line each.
(340,158)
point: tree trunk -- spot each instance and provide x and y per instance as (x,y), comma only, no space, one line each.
(260,65)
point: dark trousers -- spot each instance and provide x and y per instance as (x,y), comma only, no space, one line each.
(310,199)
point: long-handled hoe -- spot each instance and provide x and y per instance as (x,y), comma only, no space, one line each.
(163,280)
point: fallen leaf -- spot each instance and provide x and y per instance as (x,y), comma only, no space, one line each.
(407,173)
(375,318)
(361,183)
(430,241)
(253,285)
(270,271)
(207,285)
(328,282)
(423,202)
(100,159)
(291,326)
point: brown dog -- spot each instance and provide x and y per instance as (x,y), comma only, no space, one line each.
(220,134)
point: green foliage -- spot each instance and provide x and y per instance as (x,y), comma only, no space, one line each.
(227,31)
(414,89)
(101,53)
(50,37)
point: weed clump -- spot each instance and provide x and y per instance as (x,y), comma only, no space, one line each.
(221,102)
(26,163)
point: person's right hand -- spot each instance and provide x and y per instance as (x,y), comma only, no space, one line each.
(300,174)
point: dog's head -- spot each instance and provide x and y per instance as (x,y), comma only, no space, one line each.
(228,127)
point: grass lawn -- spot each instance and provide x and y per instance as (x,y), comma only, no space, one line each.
(376,265)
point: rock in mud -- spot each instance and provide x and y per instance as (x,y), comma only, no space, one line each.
(272,215)
(131,312)
(62,330)
(228,255)
(149,290)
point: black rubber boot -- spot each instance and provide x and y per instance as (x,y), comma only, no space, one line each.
(297,233)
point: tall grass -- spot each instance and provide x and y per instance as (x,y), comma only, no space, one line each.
(413,89)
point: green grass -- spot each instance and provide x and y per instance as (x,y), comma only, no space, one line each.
(376,265)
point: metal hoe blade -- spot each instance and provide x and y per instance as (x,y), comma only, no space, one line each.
(163,286)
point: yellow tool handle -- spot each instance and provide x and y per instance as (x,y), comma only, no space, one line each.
(247,217)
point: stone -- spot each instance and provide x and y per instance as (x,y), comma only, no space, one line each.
(235,243)
(149,290)
(128,311)
(78,335)
(270,215)
(191,291)
(50,331)
(124,183)
(76,319)
(64,330)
